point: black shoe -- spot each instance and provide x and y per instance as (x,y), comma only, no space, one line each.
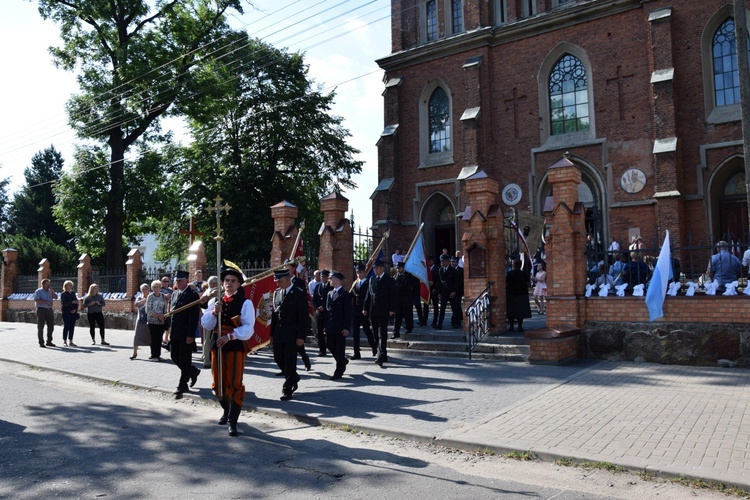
(396,335)
(224,419)
(357,356)
(286,396)
(194,377)
(177,394)
(379,361)
(50,344)
(511,329)
(104,343)
(308,367)
(520,329)
(336,376)
(133,357)
(438,327)
(321,354)
(233,429)
(42,345)
(407,331)
(279,374)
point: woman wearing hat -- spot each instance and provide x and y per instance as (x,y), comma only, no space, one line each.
(237,326)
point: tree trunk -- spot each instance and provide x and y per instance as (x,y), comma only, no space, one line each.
(114,217)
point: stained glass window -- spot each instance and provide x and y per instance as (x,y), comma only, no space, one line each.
(568,96)
(439,116)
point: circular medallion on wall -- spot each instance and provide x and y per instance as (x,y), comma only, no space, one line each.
(633,180)
(512,194)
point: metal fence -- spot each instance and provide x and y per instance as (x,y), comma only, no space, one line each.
(479,317)
(689,263)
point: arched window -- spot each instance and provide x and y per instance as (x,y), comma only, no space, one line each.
(439,120)
(568,96)
(431,20)
(726,76)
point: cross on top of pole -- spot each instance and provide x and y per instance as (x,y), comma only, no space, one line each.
(218,208)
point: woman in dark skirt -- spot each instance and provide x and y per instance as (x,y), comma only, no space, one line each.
(517,296)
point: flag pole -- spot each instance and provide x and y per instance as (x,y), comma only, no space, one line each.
(296,242)
(413,242)
(269,272)
(218,208)
(373,256)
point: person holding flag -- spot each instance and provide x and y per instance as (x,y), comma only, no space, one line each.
(237,326)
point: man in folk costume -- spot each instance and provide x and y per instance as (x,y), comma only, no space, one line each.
(338,322)
(237,326)
(380,306)
(359,319)
(289,326)
(182,337)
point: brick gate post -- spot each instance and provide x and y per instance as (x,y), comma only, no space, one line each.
(284,231)
(336,243)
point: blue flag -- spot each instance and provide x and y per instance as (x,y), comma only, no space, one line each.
(657,288)
(416,261)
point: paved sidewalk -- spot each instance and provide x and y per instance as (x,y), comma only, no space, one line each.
(690,421)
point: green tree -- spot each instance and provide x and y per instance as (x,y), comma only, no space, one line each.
(264,134)
(31,250)
(134,63)
(4,204)
(31,211)
(149,196)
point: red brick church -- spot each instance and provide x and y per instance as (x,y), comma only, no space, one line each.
(644,95)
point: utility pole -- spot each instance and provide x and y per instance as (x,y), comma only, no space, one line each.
(743,68)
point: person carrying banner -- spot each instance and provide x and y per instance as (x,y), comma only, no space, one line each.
(379,307)
(404,301)
(184,326)
(359,292)
(319,304)
(338,322)
(237,326)
(289,326)
(296,272)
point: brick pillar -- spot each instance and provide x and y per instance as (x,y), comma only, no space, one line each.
(566,270)
(133,268)
(197,258)
(483,239)
(44,271)
(336,243)
(284,231)
(7,278)
(84,274)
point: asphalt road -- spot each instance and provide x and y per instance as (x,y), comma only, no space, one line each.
(66,437)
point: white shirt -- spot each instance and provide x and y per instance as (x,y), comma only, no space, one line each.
(313,284)
(614,247)
(746,258)
(247,315)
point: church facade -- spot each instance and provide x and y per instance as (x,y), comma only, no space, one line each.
(642,96)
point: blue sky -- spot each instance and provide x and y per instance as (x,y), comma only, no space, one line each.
(340,39)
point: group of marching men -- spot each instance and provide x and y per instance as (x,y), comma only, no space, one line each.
(370,304)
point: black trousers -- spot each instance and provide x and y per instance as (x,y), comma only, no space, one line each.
(363,321)
(404,313)
(422,310)
(435,300)
(337,344)
(156,332)
(380,335)
(285,355)
(96,319)
(444,300)
(321,322)
(456,315)
(182,355)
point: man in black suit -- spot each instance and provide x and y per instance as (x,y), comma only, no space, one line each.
(434,295)
(445,284)
(404,301)
(380,306)
(456,314)
(184,326)
(298,280)
(358,318)
(289,326)
(338,322)
(319,306)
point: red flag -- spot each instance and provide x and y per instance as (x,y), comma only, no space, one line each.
(261,293)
